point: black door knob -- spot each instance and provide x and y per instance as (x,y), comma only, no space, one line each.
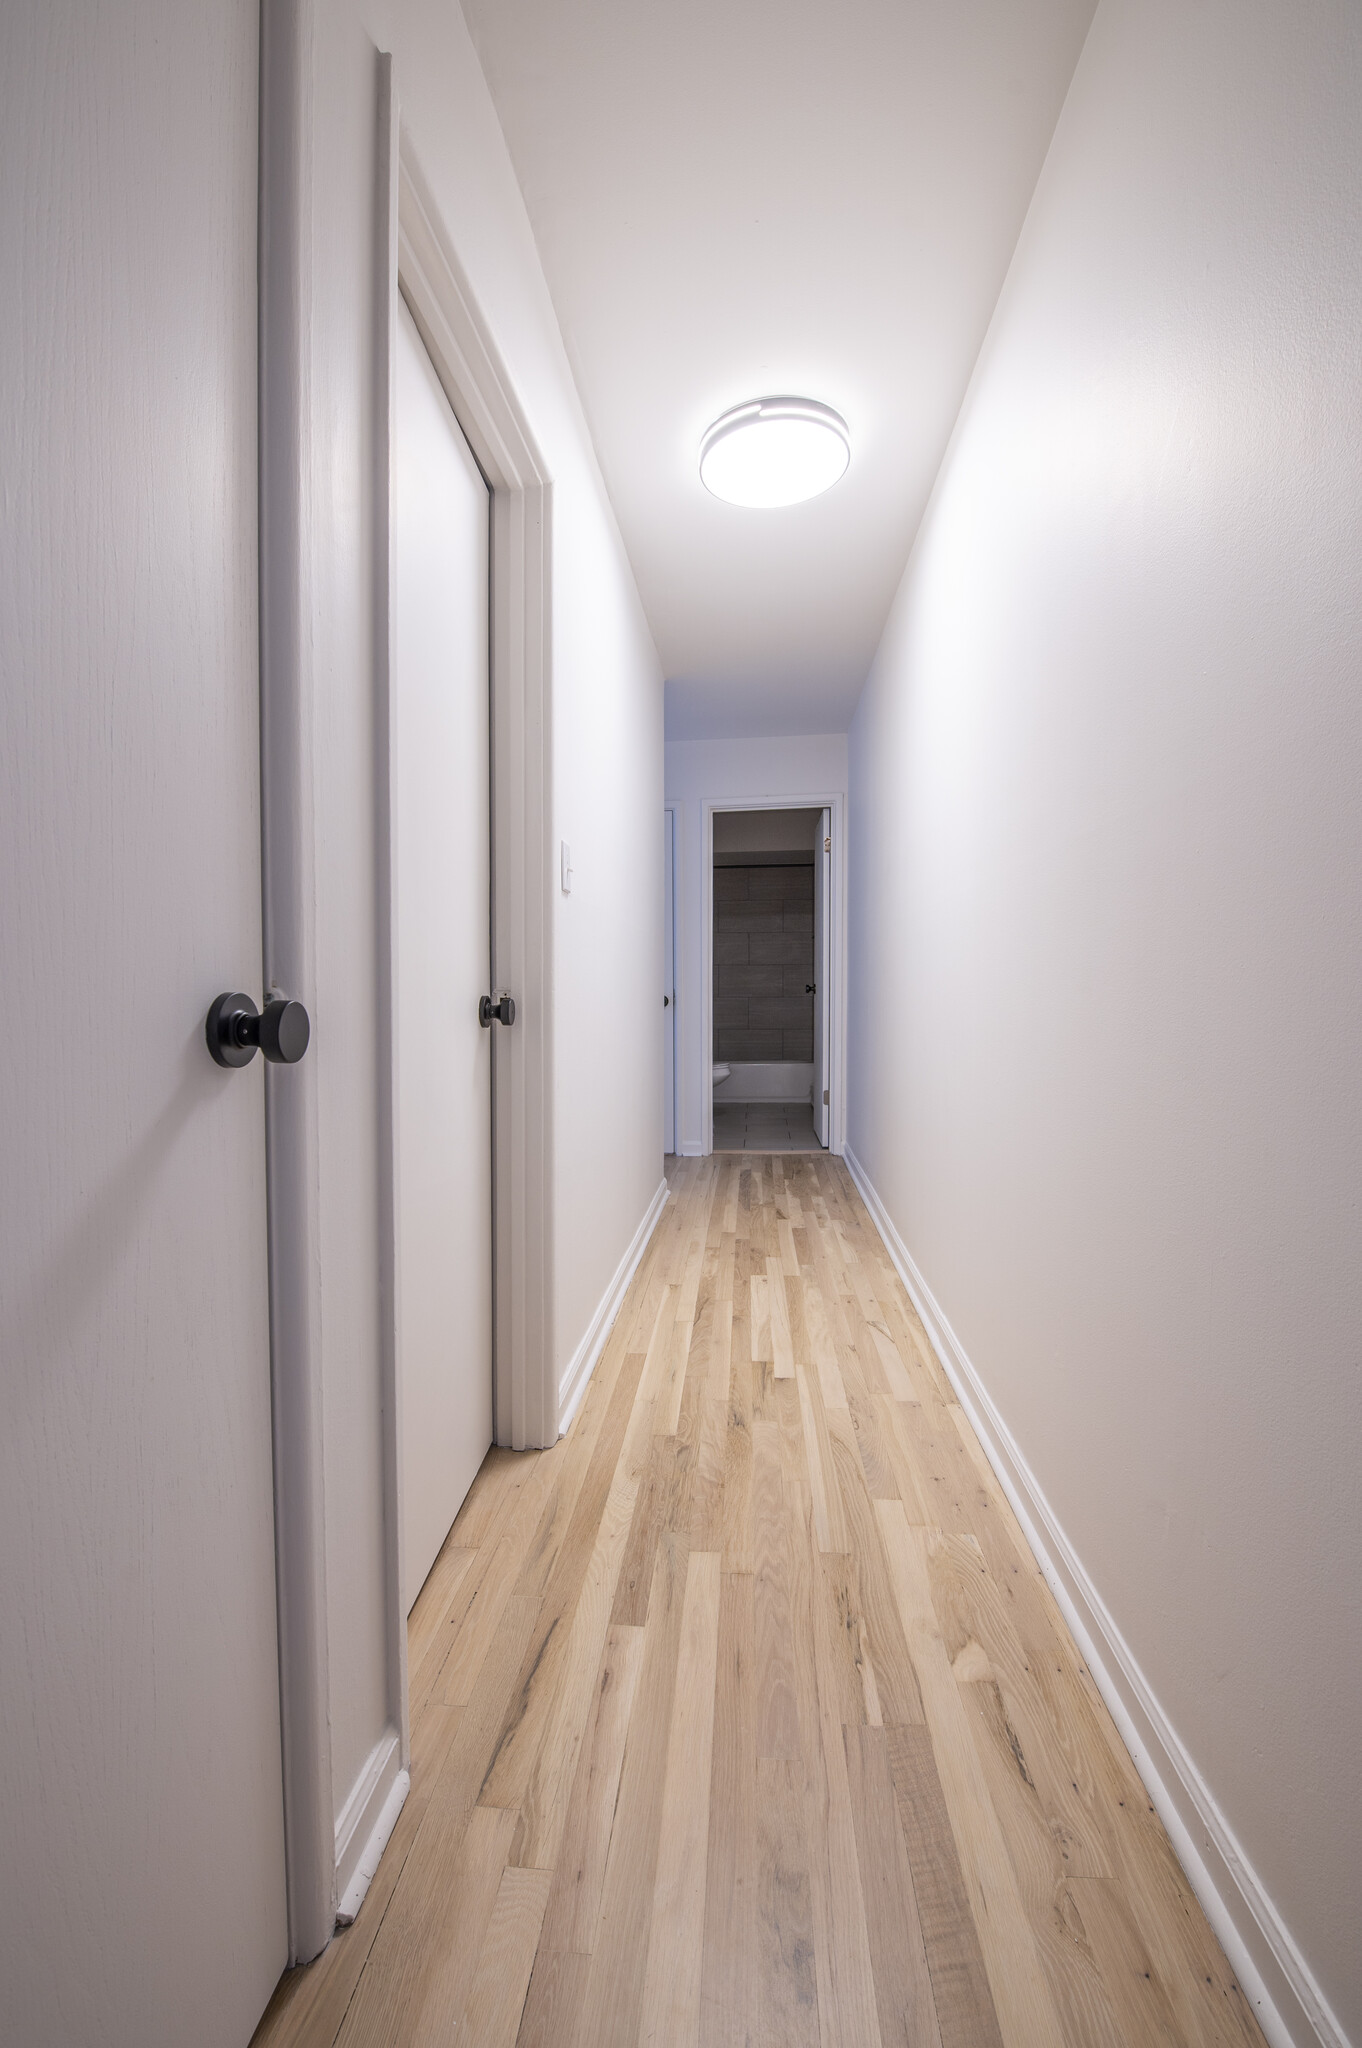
(502,1011)
(236,1031)
(811,988)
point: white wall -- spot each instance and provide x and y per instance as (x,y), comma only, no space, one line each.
(607,777)
(1106,861)
(719,771)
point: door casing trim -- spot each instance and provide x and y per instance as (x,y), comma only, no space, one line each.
(835,804)
(289,903)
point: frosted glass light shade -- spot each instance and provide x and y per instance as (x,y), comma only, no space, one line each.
(774,451)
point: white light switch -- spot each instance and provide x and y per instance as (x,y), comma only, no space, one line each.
(567,868)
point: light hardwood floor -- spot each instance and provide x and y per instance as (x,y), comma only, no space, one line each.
(744,1715)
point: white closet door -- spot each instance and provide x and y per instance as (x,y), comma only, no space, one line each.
(442,883)
(822,955)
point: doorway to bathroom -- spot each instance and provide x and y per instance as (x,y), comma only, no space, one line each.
(770,978)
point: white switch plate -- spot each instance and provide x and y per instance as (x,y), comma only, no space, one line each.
(567,868)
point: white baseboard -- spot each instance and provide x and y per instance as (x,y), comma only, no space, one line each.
(1290,2005)
(366,1821)
(582,1363)
(690,1148)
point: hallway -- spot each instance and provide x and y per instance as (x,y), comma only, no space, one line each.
(744,1715)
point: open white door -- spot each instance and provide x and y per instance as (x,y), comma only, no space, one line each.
(142,1876)
(442,957)
(822,957)
(669,982)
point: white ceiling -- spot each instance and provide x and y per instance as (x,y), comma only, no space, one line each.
(737,198)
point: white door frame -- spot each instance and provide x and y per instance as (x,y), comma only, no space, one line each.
(411,244)
(834,802)
(670,813)
(822,976)
(290,929)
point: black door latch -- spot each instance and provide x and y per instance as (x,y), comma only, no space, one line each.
(236,1031)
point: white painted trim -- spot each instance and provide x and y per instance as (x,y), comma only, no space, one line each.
(482,393)
(367,1820)
(1291,2008)
(672,813)
(835,802)
(385,756)
(287,768)
(579,1368)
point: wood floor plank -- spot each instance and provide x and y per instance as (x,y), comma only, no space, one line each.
(565,1702)
(1108,1927)
(493,1496)
(759,1319)
(736,1511)
(802,1560)
(533,1703)
(671,1391)
(829,1520)
(884,1351)
(554,2001)
(1071,1968)
(468,1906)
(427,1617)
(879,1620)
(707,1479)
(877,1461)
(480,1598)
(496,2000)
(488,1591)
(844,1666)
(671,1985)
(896,1441)
(787,1990)
(976,1625)
(721,1355)
(608,2016)
(777,1709)
(960,1991)
(579,1875)
(573,1458)
(821,1347)
(850,2016)
(782,1350)
(903,1990)
(649,1518)
(728,1982)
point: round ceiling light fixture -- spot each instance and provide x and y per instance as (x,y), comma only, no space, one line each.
(774,451)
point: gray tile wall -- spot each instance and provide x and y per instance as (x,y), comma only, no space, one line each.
(763,961)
